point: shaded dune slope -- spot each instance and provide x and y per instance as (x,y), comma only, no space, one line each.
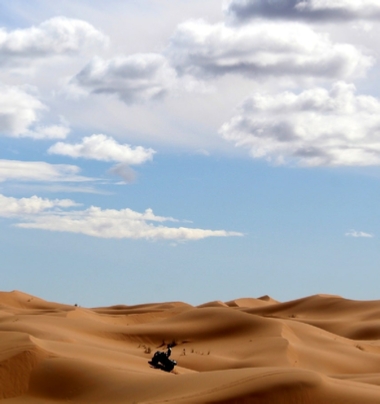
(319,349)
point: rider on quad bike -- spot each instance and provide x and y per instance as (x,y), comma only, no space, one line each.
(161,360)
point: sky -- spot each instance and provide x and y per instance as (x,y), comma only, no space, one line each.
(167,150)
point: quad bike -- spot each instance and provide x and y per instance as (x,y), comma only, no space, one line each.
(161,360)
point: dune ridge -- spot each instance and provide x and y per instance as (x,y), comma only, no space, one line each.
(318,349)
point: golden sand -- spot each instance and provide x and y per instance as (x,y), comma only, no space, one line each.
(320,349)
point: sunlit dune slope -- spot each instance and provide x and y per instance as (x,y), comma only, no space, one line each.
(319,349)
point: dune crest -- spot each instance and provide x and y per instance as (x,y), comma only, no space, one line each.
(318,349)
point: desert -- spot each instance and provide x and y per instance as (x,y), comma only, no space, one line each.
(318,349)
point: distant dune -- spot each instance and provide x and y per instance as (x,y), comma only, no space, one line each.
(320,349)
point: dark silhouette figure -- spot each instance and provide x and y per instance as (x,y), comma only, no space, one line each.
(161,360)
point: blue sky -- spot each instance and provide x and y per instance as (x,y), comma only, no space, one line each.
(194,151)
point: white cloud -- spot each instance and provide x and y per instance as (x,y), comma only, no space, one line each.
(49,132)
(103,148)
(354,233)
(134,79)
(262,49)
(36,213)
(39,171)
(20,112)
(320,10)
(10,207)
(54,187)
(55,36)
(314,128)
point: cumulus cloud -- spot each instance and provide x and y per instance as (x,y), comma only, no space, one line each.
(20,112)
(10,207)
(38,213)
(103,148)
(134,79)
(354,233)
(39,171)
(262,49)
(320,10)
(314,128)
(198,51)
(55,36)
(49,132)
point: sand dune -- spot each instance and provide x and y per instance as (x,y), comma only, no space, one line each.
(319,349)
